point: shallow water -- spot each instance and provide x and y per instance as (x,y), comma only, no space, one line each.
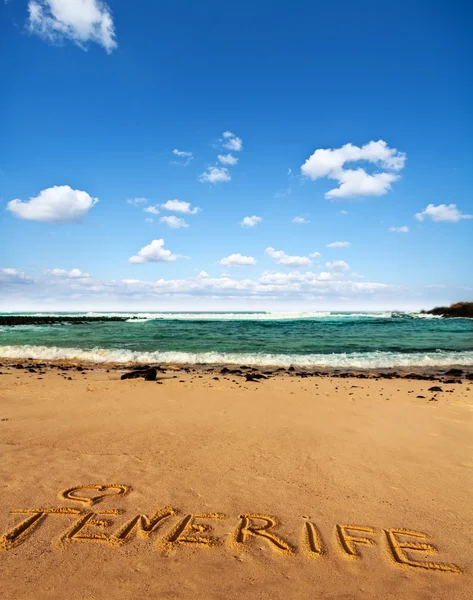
(363,340)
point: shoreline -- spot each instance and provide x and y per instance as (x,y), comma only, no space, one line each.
(450,374)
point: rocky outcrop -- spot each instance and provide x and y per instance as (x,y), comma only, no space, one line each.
(460,309)
(53,320)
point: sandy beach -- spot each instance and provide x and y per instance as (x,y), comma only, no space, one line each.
(287,487)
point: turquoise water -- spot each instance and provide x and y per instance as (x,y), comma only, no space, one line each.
(306,339)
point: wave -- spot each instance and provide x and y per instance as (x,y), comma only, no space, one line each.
(141,317)
(361,360)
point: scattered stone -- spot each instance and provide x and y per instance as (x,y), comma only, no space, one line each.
(435,388)
(420,396)
(454,372)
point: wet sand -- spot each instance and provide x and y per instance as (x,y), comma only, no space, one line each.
(288,487)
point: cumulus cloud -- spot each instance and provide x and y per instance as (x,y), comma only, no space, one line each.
(237,260)
(289,261)
(215,175)
(57,204)
(337,265)
(330,163)
(402,229)
(10,275)
(72,274)
(218,174)
(251,221)
(232,142)
(185,157)
(300,220)
(79,21)
(154,210)
(137,201)
(180,206)
(154,252)
(442,212)
(339,245)
(314,255)
(173,222)
(227,159)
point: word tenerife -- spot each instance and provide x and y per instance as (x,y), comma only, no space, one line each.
(88,526)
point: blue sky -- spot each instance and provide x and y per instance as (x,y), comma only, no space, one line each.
(370,99)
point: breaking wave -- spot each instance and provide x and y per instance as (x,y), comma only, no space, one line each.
(360,360)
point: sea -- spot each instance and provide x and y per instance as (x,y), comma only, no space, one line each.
(364,340)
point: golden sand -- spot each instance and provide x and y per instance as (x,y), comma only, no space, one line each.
(203,488)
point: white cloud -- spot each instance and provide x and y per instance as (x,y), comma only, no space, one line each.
(339,245)
(402,229)
(337,265)
(173,222)
(356,182)
(10,275)
(72,274)
(181,153)
(203,274)
(359,183)
(80,21)
(232,142)
(343,212)
(154,210)
(180,206)
(149,220)
(289,261)
(215,175)
(137,201)
(185,157)
(237,260)
(251,221)
(227,159)
(300,220)
(58,204)
(442,212)
(314,255)
(153,252)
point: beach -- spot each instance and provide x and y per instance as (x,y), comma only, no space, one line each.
(292,485)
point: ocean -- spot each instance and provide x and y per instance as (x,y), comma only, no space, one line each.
(328,339)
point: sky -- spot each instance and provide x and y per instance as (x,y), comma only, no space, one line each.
(259,155)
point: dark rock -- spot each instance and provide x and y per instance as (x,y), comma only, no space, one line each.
(469,376)
(460,309)
(291,369)
(216,378)
(79,368)
(454,372)
(147,374)
(435,388)
(32,370)
(420,396)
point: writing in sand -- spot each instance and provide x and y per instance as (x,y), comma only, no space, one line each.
(170,528)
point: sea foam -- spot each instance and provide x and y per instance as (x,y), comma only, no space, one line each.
(360,360)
